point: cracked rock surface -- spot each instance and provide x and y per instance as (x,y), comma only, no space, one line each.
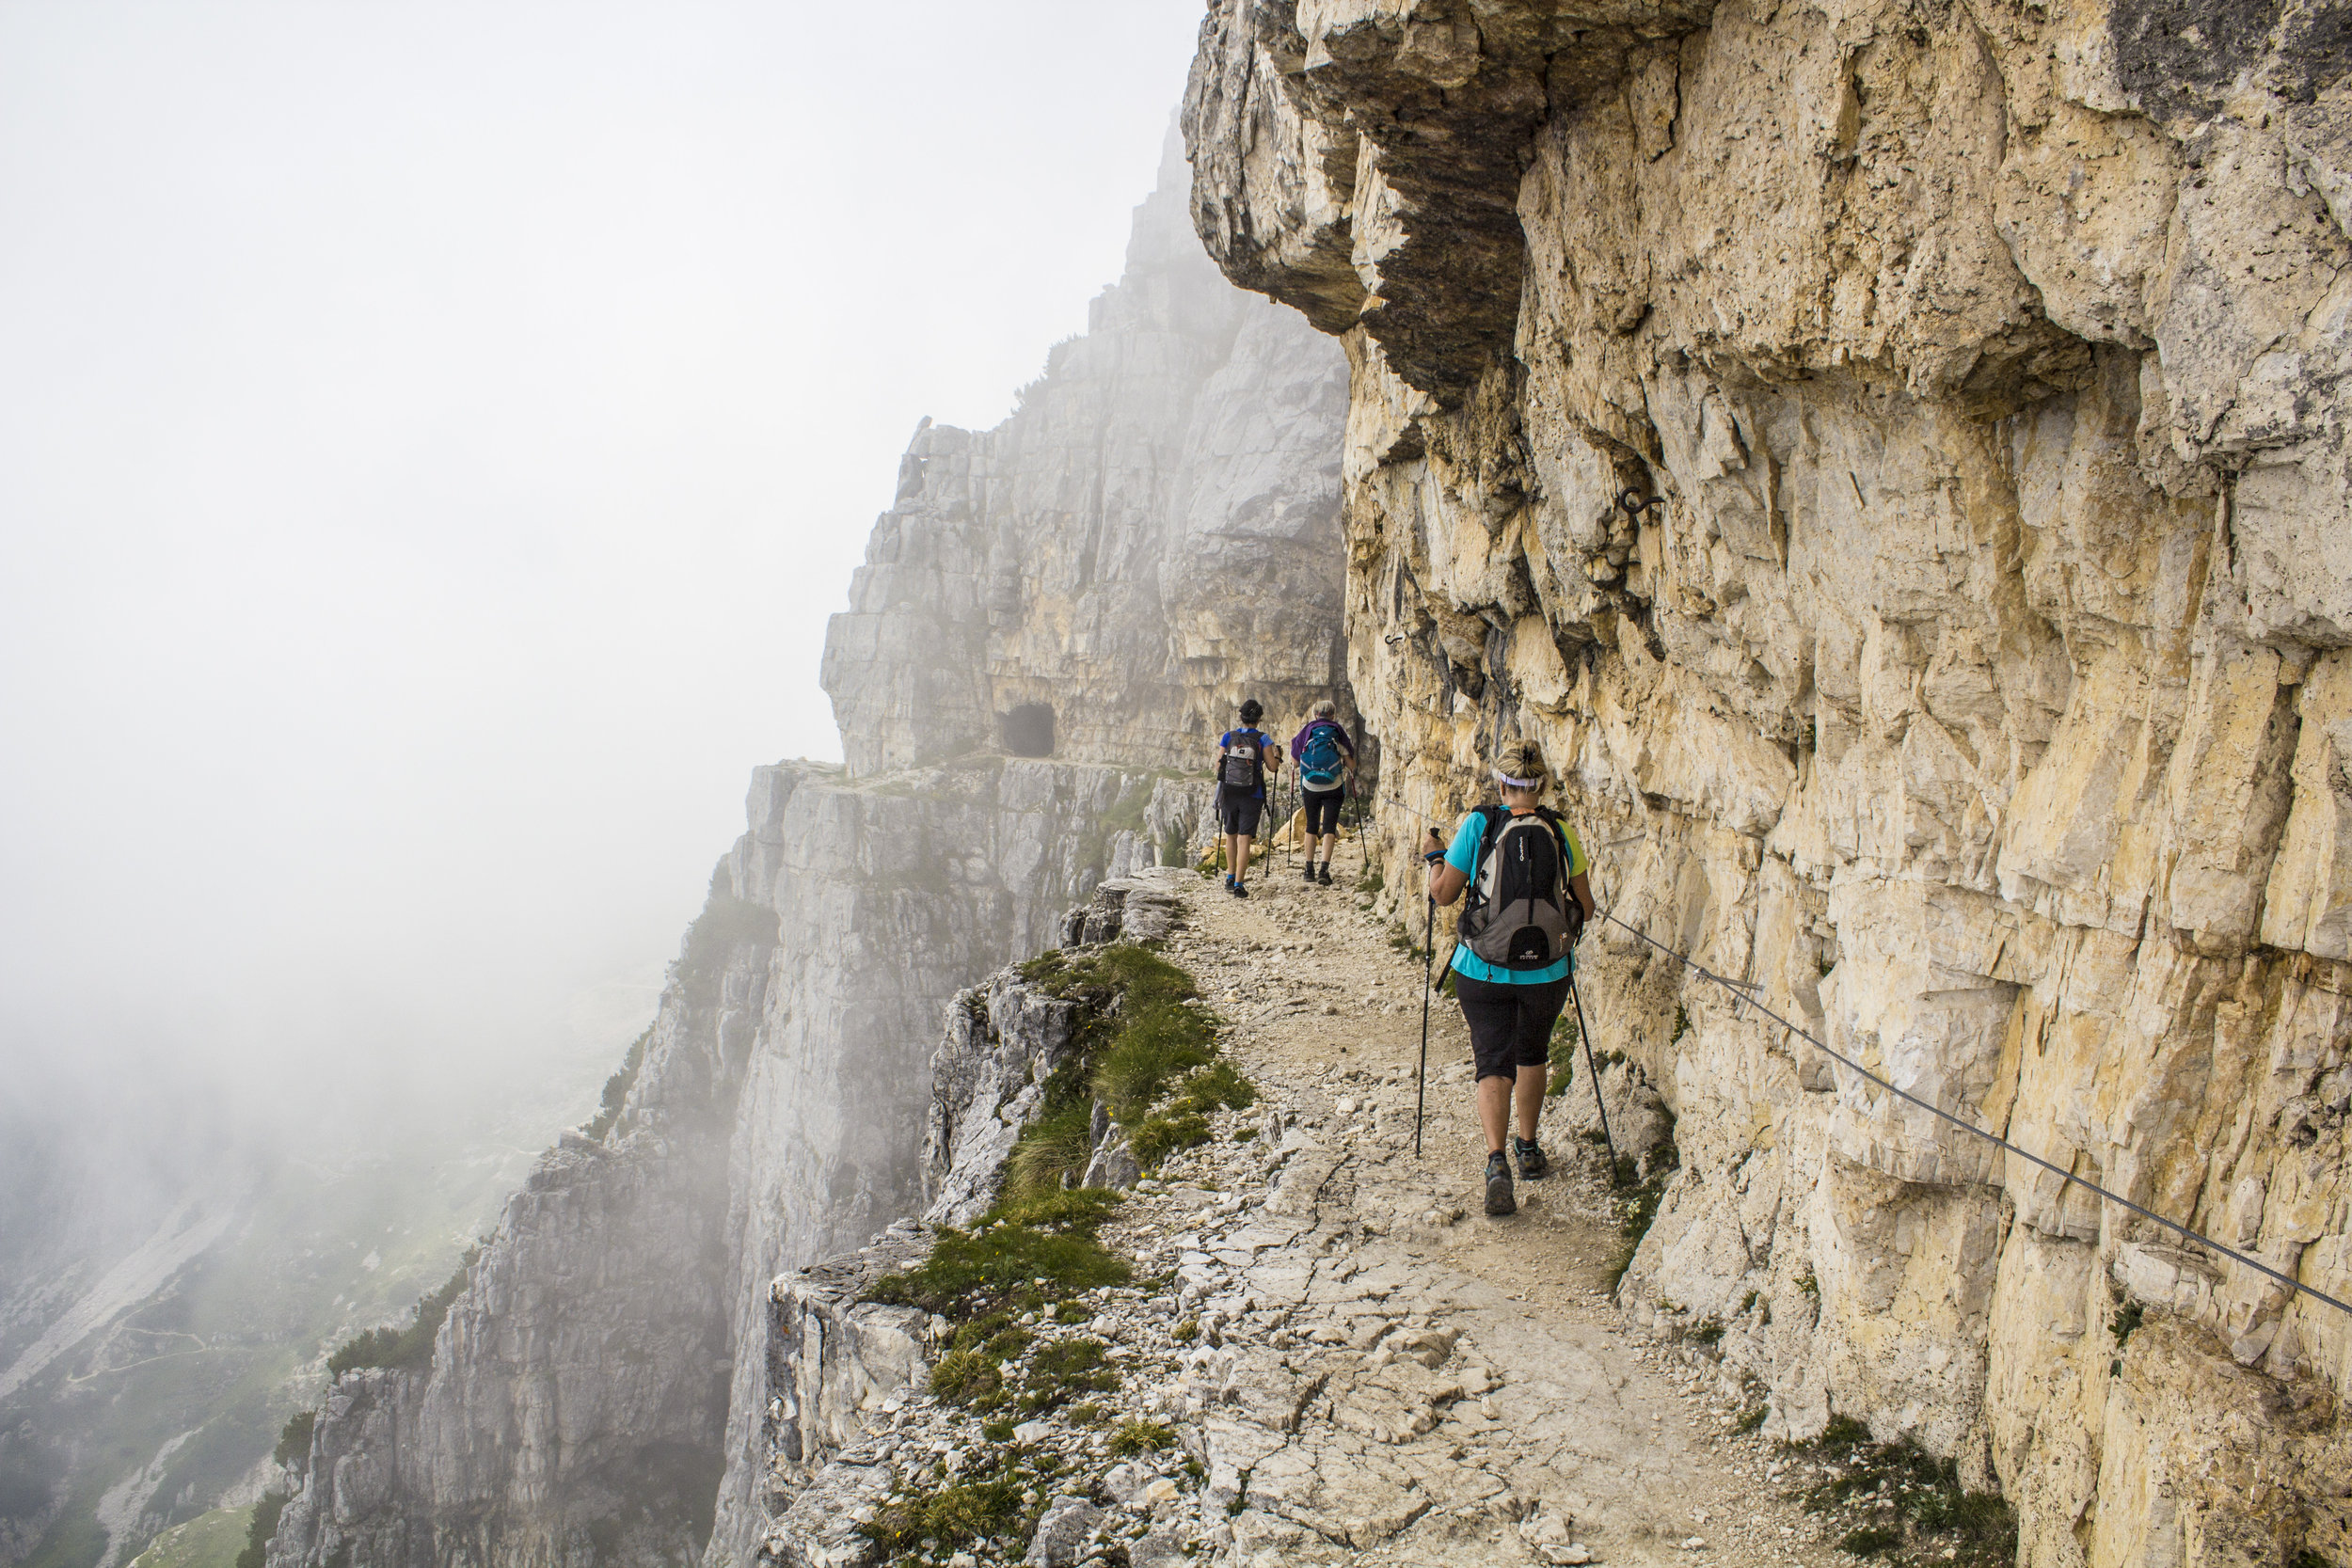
(1351,1365)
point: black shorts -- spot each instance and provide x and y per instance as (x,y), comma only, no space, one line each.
(1510,1027)
(1323,807)
(1239,812)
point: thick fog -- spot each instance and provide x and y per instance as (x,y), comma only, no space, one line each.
(432,437)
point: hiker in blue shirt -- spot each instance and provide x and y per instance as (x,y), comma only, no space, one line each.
(1529,901)
(1326,766)
(1242,757)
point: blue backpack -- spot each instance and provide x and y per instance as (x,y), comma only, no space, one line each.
(1321,765)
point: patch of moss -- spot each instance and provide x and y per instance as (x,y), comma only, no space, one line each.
(1752,1418)
(998,1263)
(1640,1209)
(1565,1038)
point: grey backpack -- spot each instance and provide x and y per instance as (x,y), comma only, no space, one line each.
(1519,913)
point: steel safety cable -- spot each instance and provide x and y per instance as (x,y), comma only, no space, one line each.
(1738,990)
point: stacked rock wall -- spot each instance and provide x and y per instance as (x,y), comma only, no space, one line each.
(605,1375)
(1978,695)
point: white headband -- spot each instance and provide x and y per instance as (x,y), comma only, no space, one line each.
(1536,783)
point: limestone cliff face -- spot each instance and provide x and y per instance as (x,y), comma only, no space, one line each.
(1152,536)
(599,1393)
(1982,691)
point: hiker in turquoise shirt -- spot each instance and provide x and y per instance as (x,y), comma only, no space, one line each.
(1530,899)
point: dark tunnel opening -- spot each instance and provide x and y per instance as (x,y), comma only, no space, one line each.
(1029,730)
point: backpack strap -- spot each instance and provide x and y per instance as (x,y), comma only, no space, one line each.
(1491,816)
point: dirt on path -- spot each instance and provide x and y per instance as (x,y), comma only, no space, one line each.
(1376,1371)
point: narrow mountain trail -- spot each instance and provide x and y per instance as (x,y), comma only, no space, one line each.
(1376,1370)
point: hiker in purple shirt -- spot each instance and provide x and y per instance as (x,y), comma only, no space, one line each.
(1326,765)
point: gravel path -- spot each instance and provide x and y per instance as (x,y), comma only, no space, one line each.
(1400,1378)
(1329,1354)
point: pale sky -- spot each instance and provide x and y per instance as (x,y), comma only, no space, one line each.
(432,438)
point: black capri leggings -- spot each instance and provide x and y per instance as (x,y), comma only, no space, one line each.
(1510,1027)
(1323,807)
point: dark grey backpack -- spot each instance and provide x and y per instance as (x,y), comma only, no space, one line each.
(1519,913)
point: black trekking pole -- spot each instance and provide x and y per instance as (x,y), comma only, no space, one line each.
(1584,1033)
(1420,1075)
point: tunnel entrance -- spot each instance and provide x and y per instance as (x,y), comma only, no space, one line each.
(1029,730)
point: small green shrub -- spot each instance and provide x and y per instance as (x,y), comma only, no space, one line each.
(257,1533)
(617,1086)
(294,1440)
(1065,1369)
(1153,1049)
(1160,1136)
(1051,1148)
(726,922)
(1071,1312)
(1706,1333)
(990,1503)
(2127,1321)
(1682,1024)
(1870,1541)
(1220,1086)
(407,1348)
(1136,1436)
(1186,1332)
(1752,1418)
(963,1375)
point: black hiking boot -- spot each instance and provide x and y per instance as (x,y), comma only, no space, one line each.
(1499,1199)
(1241,890)
(1310,871)
(1325,878)
(1532,1161)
